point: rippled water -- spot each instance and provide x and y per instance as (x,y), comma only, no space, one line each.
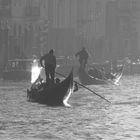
(89,118)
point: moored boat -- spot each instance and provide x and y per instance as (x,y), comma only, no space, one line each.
(17,69)
(56,95)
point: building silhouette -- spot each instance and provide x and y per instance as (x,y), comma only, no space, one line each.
(109,29)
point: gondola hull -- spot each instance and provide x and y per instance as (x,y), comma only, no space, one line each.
(110,77)
(53,96)
(86,79)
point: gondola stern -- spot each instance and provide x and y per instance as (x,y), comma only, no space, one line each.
(70,91)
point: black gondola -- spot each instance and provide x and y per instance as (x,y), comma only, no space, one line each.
(87,79)
(110,77)
(57,95)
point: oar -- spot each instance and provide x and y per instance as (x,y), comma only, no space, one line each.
(85,87)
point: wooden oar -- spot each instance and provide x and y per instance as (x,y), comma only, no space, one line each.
(85,88)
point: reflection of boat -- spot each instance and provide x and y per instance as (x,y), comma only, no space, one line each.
(87,79)
(55,95)
(17,69)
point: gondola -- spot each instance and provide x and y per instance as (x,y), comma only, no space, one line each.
(116,76)
(56,95)
(87,79)
(110,77)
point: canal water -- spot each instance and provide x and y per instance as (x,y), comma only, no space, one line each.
(89,118)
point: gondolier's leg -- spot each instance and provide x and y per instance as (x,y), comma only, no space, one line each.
(52,73)
(47,74)
(82,65)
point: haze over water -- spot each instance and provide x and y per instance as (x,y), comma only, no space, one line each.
(89,118)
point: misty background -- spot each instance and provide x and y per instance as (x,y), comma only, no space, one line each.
(109,29)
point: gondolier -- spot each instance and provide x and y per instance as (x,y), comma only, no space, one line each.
(83,57)
(49,65)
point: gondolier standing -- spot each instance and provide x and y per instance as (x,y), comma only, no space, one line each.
(83,57)
(49,65)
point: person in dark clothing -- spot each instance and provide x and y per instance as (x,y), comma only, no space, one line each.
(49,65)
(57,81)
(75,87)
(83,57)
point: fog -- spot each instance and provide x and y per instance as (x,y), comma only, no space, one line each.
(106,101)
(108,29)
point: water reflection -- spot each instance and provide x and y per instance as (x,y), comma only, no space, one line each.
(89,117)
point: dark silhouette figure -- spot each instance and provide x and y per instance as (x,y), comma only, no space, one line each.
(57,81)
(75,87)
(49,65)
(83,57)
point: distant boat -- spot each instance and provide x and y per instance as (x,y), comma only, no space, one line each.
(110,77)
(87,79)
(17,69)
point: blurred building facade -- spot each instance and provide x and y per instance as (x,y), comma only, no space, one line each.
(22,26)
(5,14)
(122,28)
(108,28)
(77,23)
